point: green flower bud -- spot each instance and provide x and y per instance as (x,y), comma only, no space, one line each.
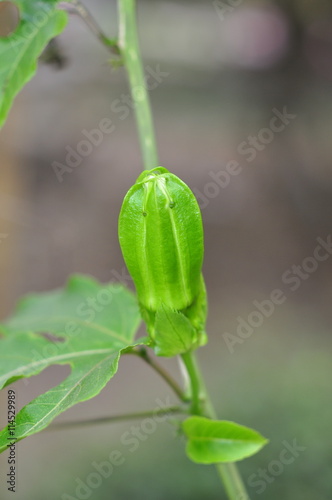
(161,238)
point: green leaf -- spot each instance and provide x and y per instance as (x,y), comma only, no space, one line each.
(174,333)
(40,21)
(91,325)
(214,441)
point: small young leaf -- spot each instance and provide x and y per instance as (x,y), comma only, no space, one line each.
(40,21)
(214,441)
(174,334)
(91,326)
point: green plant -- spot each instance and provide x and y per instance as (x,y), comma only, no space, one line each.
(161,237)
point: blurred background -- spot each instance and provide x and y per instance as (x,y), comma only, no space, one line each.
(220,72)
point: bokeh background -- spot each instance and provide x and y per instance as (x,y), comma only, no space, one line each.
(226,66)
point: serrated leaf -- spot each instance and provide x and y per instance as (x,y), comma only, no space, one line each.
(91,325)
(40,21)
(174,334)
(215,441)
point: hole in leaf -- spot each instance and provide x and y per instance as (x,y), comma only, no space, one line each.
(9,18)
(51,337)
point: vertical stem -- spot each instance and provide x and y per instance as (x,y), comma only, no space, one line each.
(232,481)
(128,44)
(196,391)
(202,405)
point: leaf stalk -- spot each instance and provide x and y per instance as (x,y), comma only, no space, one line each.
(118,418)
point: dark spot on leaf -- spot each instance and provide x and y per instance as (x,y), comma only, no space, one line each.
(9,18)
(51,337)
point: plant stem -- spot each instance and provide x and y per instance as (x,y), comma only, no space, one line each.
(232,481)
(195,382)
(128,44)
(143,353)
(202,405)
(120,418)
(76,7)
